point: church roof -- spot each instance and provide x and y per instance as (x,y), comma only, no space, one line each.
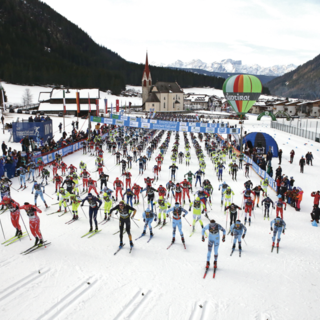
(152,98)
(168,87)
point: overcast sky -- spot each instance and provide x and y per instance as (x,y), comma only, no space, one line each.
(257,32)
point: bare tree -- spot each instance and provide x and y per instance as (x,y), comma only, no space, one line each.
(27,98)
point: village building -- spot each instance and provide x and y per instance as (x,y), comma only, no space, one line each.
(161,97)
(52,102)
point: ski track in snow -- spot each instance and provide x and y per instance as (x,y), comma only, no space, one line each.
(260,285)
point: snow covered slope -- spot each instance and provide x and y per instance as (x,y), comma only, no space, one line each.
(80,278)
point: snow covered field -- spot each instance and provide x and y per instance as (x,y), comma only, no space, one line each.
(80,278)
(16,92)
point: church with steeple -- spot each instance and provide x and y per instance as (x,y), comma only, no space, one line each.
(161,97)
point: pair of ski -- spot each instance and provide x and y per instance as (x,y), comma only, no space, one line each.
(104,221)
(173,243)
(273,247)
(120,247)
(232,251)
(143,236)
(214,273)
(36,247)
(14,239)
(71,221)
(91,233)
(162,225)
(23,188)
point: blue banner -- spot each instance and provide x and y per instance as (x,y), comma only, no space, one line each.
(261,173)
(33,130)
(196,127)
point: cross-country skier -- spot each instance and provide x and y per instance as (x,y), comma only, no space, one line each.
(150,193)
(164,205)
(227,197)
(39,192)
(125,212)
(148,216)
(13,206)
(279,226)
(173,168)
(257,191)
(233,212)
(234,170)
(220,171)
(280,203)
(248,208)
(198,175)
(266,202)
(23,172)
(94,205)
(197,204)
(107,205)
(177,212)
(214,240)
(238,231)
(223,186)
(34,221)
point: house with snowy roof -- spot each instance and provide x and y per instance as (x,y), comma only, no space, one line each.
(200,101)
(52,102)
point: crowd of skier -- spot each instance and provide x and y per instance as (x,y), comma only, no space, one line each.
(75,188)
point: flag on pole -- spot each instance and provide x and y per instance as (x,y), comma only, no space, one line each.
(106,105)
(78,102)
(64,103)
(89,102)
(3,100)
(97,107)
(117,105)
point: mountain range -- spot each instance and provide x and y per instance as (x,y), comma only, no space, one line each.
(231,66)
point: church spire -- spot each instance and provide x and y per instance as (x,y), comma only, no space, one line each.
(146,73)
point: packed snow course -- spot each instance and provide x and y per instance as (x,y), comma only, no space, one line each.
(80,278)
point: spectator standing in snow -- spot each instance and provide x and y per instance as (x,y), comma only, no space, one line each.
(302,163)
(315,214)
(280,156)
(4,148)
(291,156)
(316,196)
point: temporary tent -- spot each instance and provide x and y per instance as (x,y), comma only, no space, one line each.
(261,140)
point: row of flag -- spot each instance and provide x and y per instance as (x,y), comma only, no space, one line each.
(89,103)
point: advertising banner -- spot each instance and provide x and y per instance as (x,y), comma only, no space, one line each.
(34,130)
(163,125)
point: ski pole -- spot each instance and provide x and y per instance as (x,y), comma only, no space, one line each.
(69,210)
(187,221)
(83,211)
(245,242)
(25,227)
(14,189)
(2,230)
(135,223)
(48,195)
